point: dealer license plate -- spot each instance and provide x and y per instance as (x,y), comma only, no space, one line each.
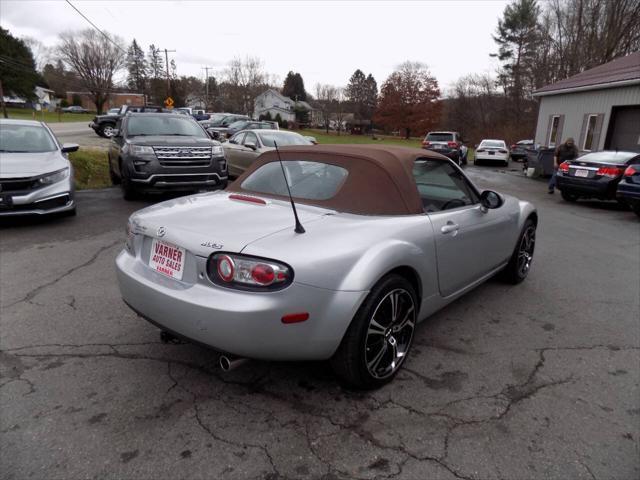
(582,173)
(492,153)
(167,259)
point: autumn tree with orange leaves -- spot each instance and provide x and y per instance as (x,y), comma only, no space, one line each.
(409,100)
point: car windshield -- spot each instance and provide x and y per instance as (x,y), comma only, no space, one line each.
(307,180)
(493,144)
(216,117)
(164,125)
(25,139)
(439,137)
(608,157)
(282,138)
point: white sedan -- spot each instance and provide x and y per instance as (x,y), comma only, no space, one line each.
(492,151)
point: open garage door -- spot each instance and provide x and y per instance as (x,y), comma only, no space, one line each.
(624,129)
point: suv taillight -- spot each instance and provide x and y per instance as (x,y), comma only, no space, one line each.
(425,143)
(244,272)
(630,172)
(452,144)
(564,167)
(611,172)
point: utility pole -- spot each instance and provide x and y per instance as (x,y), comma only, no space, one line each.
(166,58)
(206,86)
(4,107)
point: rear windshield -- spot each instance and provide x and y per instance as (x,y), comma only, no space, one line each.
(164,125)
(440,137)
(608,157)
(238,124)
(25,139)
(307,180)
(493,143)
(282,138)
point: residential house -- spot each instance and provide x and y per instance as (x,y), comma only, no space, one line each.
(47,98)
(115,100)
(599,108)
(275,103)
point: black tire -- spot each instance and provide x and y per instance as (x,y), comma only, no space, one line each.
(352,362)
(514,272)
(569,197)
(129,192)
(115,179)
(635,206)
(106,130)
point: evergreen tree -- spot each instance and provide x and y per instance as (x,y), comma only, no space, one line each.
(362,92)
(294,87)
(18,74)
(137,67)
(155,62)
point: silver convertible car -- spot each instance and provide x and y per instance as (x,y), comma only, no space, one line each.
(386,236)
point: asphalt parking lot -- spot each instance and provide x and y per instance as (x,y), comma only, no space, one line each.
(540,380)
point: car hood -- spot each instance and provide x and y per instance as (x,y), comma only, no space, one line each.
(106,117)
(205,223)
(16,165)
(171,140)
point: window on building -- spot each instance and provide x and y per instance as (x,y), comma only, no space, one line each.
(553,135)
(589,134)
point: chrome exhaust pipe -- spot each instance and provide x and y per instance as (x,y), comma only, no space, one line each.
(228,363)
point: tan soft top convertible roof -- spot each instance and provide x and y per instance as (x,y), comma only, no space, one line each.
(380,180)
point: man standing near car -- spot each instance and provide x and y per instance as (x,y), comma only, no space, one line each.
(564,151)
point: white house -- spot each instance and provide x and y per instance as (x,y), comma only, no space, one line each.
(275,103)
(46,98)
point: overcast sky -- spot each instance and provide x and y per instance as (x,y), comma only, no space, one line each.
(324,41)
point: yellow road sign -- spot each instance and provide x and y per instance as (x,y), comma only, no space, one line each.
(168,102)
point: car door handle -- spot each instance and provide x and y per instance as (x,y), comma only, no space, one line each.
(449,228)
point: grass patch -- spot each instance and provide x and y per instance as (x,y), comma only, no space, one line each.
(344,138)
(49,117)
(91,168)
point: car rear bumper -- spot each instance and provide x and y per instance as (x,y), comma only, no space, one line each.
(483,157)
(246,324)
(449,153)
(601,188)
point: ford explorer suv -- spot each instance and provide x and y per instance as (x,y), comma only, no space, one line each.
(448,144)
(155,152)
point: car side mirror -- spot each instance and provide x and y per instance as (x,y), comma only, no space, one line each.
(490,199)
(252,146)
(70,147)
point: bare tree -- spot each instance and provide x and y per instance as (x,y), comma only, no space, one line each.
(245,79)
(41,53)
(324,101)
(95,59)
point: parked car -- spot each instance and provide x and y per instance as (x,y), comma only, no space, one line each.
(386,236)
(594,175)
(245,146)
(104,125)
(161,151)
(446,143)
(492,151)
(221,133)
(74,109)
(222,120)
(629,187)
(519,150)
(36,177)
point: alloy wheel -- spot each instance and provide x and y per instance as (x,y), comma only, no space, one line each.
(525,252)
(107,131)
(390,333)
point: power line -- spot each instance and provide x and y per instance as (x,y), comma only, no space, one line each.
(94,26)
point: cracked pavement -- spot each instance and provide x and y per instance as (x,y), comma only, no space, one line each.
(540,380)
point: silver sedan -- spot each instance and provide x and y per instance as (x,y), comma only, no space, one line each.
(36,177)
(380,238)
(246,146)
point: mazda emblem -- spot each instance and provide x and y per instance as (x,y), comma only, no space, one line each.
(161,231)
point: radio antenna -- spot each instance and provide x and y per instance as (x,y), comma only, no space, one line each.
(299,228)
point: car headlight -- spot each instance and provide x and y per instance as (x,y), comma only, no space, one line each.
(54,177)
(141,150)
(217,151)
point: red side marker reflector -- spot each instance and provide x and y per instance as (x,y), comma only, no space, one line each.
(295,317)
(246,198)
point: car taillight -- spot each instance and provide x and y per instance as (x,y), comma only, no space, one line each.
(480,150)
(610,171)
(502,150)
(452,144)
(244,272)
(513,146)
(425,143)
(630,172)
(564,167)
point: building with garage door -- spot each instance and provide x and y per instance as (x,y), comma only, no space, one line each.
(599,108)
